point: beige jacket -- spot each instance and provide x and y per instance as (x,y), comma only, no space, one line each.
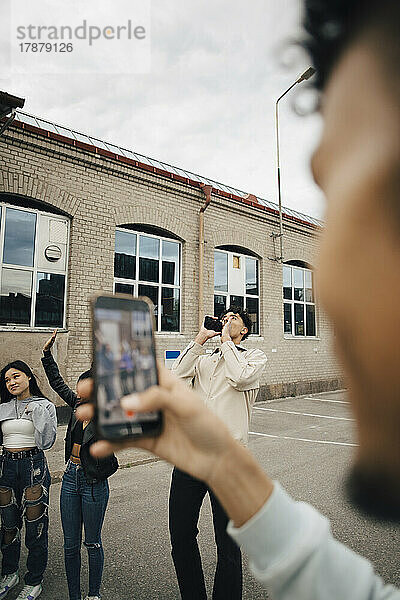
(227,380)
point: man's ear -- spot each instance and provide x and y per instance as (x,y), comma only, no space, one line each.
(244,331)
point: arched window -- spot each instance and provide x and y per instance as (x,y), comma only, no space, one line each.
(33,257)
(298,300)
(148,264)
(236,282)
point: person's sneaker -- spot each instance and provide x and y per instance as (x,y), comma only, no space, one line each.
(7,583)
(92,598)
(30,592)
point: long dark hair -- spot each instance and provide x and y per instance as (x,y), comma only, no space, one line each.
(34,389)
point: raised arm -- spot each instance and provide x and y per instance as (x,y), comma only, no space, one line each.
(53,374)
(185,365)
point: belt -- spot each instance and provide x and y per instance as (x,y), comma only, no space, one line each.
(21,454)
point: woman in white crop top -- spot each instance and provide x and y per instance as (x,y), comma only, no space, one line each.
(28,425)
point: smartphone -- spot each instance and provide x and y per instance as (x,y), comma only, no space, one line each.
(124,362)
(213,324)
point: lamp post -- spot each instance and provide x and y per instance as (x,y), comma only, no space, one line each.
(303,77)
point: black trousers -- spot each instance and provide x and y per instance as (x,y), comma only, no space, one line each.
(185,500)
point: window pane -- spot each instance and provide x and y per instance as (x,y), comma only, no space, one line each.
(149,247)
(298,284)
(19,237)
(308,276)
(170,309)
(125,255)
(148,269)
(15,300)
(299,319)
(170,262)
(237,301)
(150,291)
(287,283)
(219,305)
(220,271)
(49,308)
(310,319)
(251,276)
(252,309)
(287,318)
(124,288)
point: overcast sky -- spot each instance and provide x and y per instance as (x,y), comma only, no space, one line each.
(208,102)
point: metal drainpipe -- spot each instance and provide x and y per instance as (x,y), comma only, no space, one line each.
(207,191)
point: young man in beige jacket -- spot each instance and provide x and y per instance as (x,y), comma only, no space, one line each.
(227,381)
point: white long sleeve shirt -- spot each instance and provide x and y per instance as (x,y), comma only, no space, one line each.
(227,380)
(294,555)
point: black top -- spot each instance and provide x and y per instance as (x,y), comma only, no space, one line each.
(77,434)
(95,469)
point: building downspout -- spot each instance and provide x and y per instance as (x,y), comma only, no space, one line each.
(207,191)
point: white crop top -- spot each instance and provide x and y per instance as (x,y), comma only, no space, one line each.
(18,433)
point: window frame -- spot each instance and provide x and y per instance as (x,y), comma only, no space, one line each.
(34,269)
(304,303)
(228,295)
(159,285)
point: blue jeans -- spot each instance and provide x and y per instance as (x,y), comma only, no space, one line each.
(24,495)
(82,503)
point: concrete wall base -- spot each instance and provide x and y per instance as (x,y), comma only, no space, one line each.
(299,388)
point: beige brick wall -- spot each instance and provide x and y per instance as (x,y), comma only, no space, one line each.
(99,194)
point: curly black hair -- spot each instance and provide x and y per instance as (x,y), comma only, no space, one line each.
(244,315)
(331,25)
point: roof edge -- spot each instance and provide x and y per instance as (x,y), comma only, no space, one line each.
(248,199)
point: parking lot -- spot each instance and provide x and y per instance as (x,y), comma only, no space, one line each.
(306,442)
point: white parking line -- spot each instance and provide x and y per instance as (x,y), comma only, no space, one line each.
(326,400)
(285,437)
(293,412)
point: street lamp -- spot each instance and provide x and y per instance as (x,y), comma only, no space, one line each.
(303,77)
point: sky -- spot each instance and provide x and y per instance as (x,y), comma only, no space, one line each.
(207,102)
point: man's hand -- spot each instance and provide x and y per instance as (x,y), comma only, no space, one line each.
(193,439)
(226,332)
(50,341)
(205,334)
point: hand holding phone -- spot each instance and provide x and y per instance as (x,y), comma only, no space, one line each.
(124,363)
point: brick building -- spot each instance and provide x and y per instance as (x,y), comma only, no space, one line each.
(80,215)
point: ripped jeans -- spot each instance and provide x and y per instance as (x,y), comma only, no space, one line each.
(82,503)
(24,496)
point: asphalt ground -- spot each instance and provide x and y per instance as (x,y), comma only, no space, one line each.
(306,443)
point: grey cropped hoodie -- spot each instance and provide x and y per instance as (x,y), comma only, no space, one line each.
(40,411)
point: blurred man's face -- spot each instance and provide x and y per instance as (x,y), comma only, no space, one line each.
(357,167)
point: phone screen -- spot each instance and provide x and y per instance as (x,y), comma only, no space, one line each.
(124,363)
